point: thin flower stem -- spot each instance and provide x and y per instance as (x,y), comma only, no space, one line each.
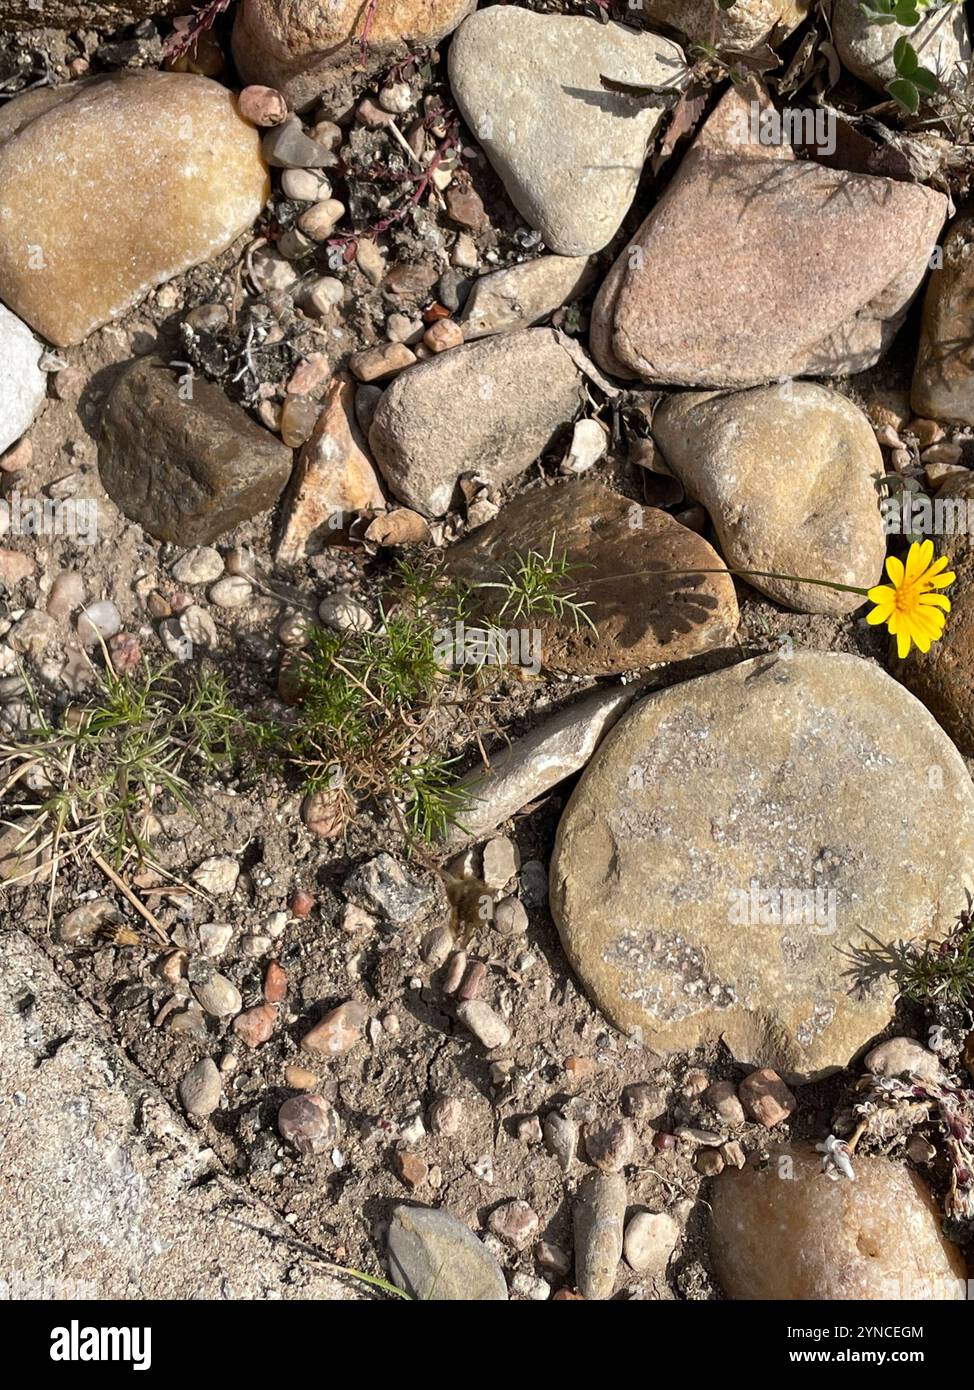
(756,574)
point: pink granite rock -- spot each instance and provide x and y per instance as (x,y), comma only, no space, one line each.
(755,265)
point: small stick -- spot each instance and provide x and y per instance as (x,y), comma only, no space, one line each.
(123,888)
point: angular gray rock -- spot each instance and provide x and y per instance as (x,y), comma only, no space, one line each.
(521,295)
(735,221)
(22,383)
(434,1257)
(789,475)
(488,408)
(522,771)
(104,1191)
(186,464)
(569,150)
(735,838)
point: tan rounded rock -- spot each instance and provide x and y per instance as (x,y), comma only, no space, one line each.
(735,837)
(789,477)
(943,380)
(125,182)
(788,1231)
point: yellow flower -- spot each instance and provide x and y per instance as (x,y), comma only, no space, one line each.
(909,607)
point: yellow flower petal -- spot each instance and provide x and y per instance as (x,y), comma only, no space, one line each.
(918,559)
(902,644)
(935,601)
(941,581)
(880,614)
(894,568)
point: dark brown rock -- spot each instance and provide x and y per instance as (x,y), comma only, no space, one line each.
(943,382)
(615,546)
(187,470)
(943,677)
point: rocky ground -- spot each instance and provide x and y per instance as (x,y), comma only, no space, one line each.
(285,306)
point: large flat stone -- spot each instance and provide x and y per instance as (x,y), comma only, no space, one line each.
(800,775)
(941,40)
(789,475)
(621,557)
(103,1190)
(706,294)
(187,469)
(569,150)
(88,14)
(115,185)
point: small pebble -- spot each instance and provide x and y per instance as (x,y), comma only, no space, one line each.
(218,996)
(98,621)
(722,1099)
(305,185)
(233,591)
(263,106)
(455,972)
(370,260)
(766,1098)
(650,1239)
(487,1026)
(530,1286)
(442,336)
(255,1026)
(201,1089)
(446,1115)
(324,294)
(381,363)
(515,1223)
(529,1130)
(275,983)
(302,903)
(560,1138)
(309,1123)
(299,1077)
(411,1169)
(343,613)
(610,1146)
(708,1162)
(510,917)
(299,415)
(465,207)
(201,565)
(339,1030)
(501,861)
(320,220)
